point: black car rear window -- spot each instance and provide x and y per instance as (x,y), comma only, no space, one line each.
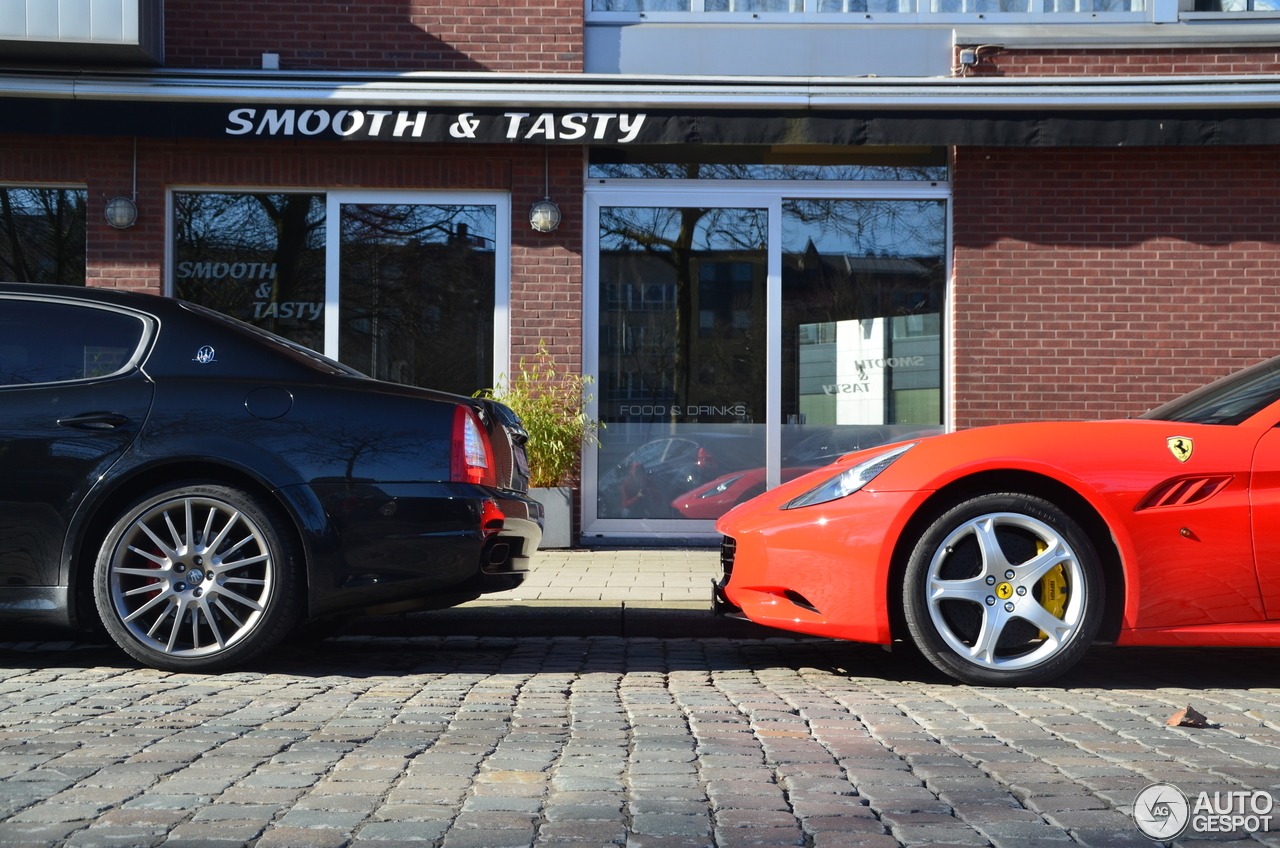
(48,342)
(1227,401)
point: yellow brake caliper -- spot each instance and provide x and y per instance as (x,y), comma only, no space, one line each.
(1052,588)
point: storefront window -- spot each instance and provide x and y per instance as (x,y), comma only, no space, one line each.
(757,162)
(862,294)
(42,235)
(682,358)
(417,285)
(256,257)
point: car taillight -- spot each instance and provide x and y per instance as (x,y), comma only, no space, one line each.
(472,460)
(705,459)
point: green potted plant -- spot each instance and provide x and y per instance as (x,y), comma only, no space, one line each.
(552,406)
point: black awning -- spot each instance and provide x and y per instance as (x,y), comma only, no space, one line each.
(1053,126)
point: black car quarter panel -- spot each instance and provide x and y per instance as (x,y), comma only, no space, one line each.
(399,541)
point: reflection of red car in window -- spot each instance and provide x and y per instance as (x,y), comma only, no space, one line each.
(714,499)
(822,446)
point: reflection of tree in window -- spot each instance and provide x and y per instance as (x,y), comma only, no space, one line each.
(762,171)
(690,283)
(417,285)
(257,257)
(42,235)
(871,261)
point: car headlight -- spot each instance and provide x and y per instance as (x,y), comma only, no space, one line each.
(722,488)
(850,480)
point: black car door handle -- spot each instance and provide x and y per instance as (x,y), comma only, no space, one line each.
(95,421)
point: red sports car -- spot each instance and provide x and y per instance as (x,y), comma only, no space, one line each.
(1005,552)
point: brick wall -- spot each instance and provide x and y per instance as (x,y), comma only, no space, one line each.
(546,269)
(1125,62)
(1099,283)
(460,35)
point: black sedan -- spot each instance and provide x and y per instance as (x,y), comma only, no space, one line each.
(201,488)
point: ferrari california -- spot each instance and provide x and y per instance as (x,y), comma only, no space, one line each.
(1004,552)
(200,489)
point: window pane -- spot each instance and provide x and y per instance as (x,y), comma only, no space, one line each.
(776,162)
(52,343)
(639,5)
(417,294)
(256,257)
(862,303)
(682,360)
(754,5)
(42,235)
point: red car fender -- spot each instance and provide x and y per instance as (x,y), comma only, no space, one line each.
(1105,508)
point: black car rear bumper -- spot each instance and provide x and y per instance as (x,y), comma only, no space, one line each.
(397,542)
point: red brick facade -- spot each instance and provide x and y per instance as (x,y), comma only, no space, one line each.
(1099,283)
(532,36)
(1094,62)
(546,269)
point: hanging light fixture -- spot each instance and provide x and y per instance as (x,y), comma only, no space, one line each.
(122,212)
(544,216)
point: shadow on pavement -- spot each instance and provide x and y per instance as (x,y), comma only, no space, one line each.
(557,652)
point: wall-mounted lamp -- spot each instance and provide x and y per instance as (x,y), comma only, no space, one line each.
(122,212)
(544,216)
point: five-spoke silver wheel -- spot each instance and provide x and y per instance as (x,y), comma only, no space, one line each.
(193,577)
(1003,589)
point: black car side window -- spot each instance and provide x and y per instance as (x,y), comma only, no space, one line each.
(45,342)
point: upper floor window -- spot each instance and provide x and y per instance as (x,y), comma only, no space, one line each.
(1237,5)
(42,235)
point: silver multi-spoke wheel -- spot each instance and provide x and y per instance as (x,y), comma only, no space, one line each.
(1045,591)
(1003,589)
(192,578)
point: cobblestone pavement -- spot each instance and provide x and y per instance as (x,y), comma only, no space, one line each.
(465,742)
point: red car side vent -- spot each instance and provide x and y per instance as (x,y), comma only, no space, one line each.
(1184,491)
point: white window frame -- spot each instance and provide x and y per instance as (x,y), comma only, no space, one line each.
(499,199)
(729,194)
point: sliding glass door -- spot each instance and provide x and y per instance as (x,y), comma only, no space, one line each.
(743,337)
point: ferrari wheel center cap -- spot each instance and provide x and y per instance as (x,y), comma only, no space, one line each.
(1004,591)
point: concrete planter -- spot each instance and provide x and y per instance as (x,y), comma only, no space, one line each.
(557,503)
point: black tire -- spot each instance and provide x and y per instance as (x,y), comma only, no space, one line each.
(225,571)
(1004,589)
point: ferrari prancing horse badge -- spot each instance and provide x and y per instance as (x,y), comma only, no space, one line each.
(1180,447)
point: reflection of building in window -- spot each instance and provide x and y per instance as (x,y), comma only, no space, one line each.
(638,329)
(417,286)
(42,235)
(881,368)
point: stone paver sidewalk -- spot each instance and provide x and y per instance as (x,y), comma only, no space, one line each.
(622,574)
(466,742)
